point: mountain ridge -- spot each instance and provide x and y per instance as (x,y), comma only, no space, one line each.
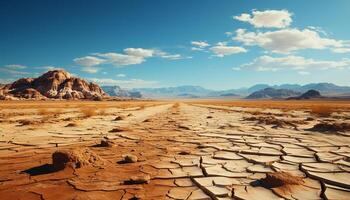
(198,91)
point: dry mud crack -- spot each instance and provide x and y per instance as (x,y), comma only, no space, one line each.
(176,151)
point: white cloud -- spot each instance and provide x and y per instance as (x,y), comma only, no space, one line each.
(303,73)
(268,63)
(223,50)
(48,68)
(139,52)
(121,75)
(228,33)
(197,49)
(341,50)
(130,56)
(118,59)
(91,70)
(267,18)
(200,44)
(132,83)
(13,71)
(168,56)
(288,40)
(89,61)
(7,80)
(16,67)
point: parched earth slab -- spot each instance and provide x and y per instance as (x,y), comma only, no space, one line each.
(341,179)
(100,185)
(249,192)
(320,167)
(181,193)
(297,159)
(198,195)
(218,170)
(260,159)
(336,193)
(224,155)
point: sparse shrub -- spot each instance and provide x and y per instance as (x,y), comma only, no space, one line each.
(43,111)
(88,111)
(102,111)
(321,111)
(176,105)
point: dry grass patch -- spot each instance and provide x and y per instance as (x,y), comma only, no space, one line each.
(285,105)
(280,179)
(102,111)
(88,111)
(322,111)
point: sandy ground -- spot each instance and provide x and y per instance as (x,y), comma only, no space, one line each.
(184,151)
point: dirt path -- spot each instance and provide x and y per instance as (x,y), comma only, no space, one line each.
(183,152)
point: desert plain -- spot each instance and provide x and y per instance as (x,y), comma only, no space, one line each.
(184,149)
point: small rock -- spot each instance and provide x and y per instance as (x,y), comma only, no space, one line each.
(184,153)
(138,180)
(118,118)
(128,158)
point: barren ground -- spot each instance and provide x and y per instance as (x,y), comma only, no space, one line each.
(185,150)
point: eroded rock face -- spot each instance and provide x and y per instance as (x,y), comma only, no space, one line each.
(57,84)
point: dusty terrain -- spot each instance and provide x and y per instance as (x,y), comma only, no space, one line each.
(174,150)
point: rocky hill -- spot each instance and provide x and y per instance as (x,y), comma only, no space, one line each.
(271,93)
(310,94)
(55,84)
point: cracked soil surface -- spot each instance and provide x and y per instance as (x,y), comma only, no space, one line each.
(175,151)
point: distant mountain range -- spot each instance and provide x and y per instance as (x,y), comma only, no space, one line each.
(189,91)
(272,93)
(77,88)
(116,91)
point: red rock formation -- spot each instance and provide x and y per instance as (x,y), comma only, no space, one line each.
(56,84)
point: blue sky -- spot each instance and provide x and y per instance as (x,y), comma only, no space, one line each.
(215,44)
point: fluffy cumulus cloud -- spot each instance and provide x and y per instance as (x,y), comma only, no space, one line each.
(132,83)
(268,63)
(139,52)
(200,44)
(288,40)
(129,56)
(223,50)
(267,18)
(118,59)
(89,61)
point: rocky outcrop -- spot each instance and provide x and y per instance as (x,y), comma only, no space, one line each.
(310,94)
(56,84)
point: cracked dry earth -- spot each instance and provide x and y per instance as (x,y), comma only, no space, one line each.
(184,151)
